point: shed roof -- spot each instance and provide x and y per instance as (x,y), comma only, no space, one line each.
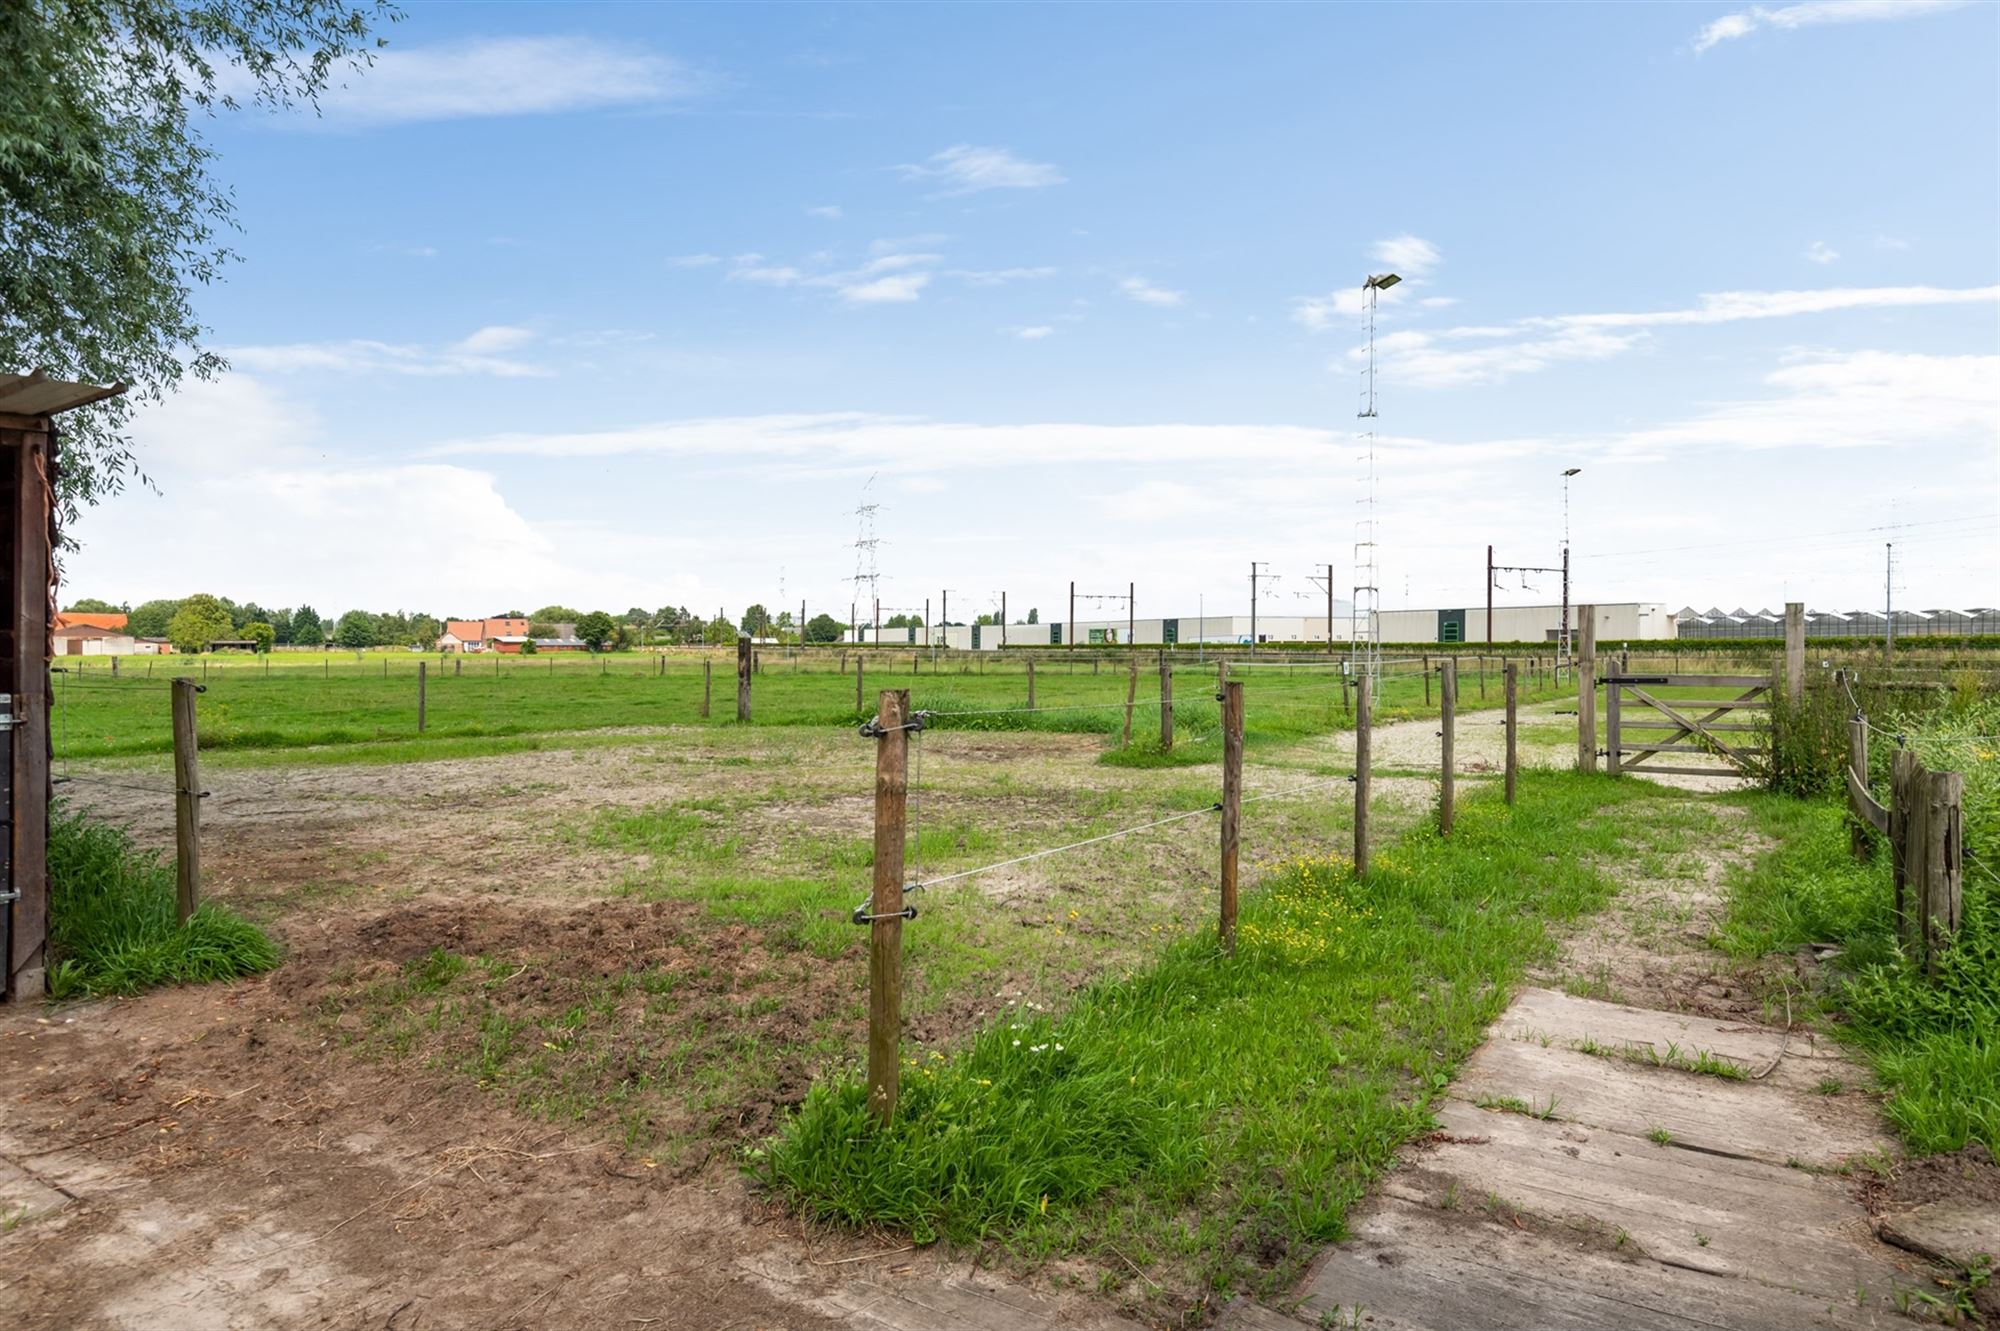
(36,394)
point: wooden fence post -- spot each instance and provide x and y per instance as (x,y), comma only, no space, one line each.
(1586,689)
(1509,671)
(423,690)
(1448,718)
(187,801)
(857,684)
(1940,897)
(1131,696)
(1031,686)
(1427,679)
(1232,805)
(1858,840)
(707,682)
(1364,745)
(1166,704)
(885,906)
(1795,651)
(743,679)
(457,666)
(1905,777)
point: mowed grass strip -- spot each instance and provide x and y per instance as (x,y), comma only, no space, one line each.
(1220,1114)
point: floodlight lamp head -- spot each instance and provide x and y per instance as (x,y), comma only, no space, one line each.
(1572,471)
(1381,281)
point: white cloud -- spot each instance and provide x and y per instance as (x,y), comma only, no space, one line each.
(894,278)
(1861,399)
(895,288)
(494,76)
(480,353)
(1418,359)
(1731,306)
(1147,293)
(1032,332)
(993,277)
(694,260)
(1443,360)
(1411,256)
(1160,501)
(1821,252)
(1891,243)
(830,211)
(965,169)
(494,338)
(1813,12)
(1437,302)
(1318,313)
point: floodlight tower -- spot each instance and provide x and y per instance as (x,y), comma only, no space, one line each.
(1367,647)
(865,572)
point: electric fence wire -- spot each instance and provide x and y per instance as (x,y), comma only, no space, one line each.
(1903,737)
(1057,850)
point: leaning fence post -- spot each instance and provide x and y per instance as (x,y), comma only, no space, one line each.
(886,912)
(423,688)
(1513,727)
(1131,696)
(187,801)
(1448,719)
(743,679)
(1857,762)
(1166,704)
(1232,805)
(1905,850)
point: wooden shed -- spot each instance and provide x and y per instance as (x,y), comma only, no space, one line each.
(29,404)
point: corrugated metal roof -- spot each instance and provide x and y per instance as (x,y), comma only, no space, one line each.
(38,395)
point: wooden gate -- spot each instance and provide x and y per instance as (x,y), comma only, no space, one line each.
(1730,727)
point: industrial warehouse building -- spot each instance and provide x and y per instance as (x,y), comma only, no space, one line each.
(1616,621)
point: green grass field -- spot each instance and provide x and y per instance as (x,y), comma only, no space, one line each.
(495,704)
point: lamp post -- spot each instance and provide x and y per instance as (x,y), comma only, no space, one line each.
(1567,474)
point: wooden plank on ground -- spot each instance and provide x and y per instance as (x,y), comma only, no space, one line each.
(1741,1218)
(1417,1269)
(1538,1014)
(1747,1119)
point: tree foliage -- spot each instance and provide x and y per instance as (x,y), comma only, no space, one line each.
(110,211)
(260,634)
(357,629)
(90,605)
(757,621)
(595,629)
(306,626)
(823,628)
(198,621)
(720,630)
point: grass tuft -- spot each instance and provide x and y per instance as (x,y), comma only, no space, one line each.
(111,919)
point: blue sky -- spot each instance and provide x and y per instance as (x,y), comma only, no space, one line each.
(626,304)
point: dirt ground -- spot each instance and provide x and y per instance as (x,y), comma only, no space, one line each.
(246,1156)
(318,1147)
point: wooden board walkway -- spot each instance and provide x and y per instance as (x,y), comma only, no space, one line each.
(1635,1192)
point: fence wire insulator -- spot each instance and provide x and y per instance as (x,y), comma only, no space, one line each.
(873,728)
(861,915)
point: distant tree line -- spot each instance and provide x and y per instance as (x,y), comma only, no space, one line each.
(191,623)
